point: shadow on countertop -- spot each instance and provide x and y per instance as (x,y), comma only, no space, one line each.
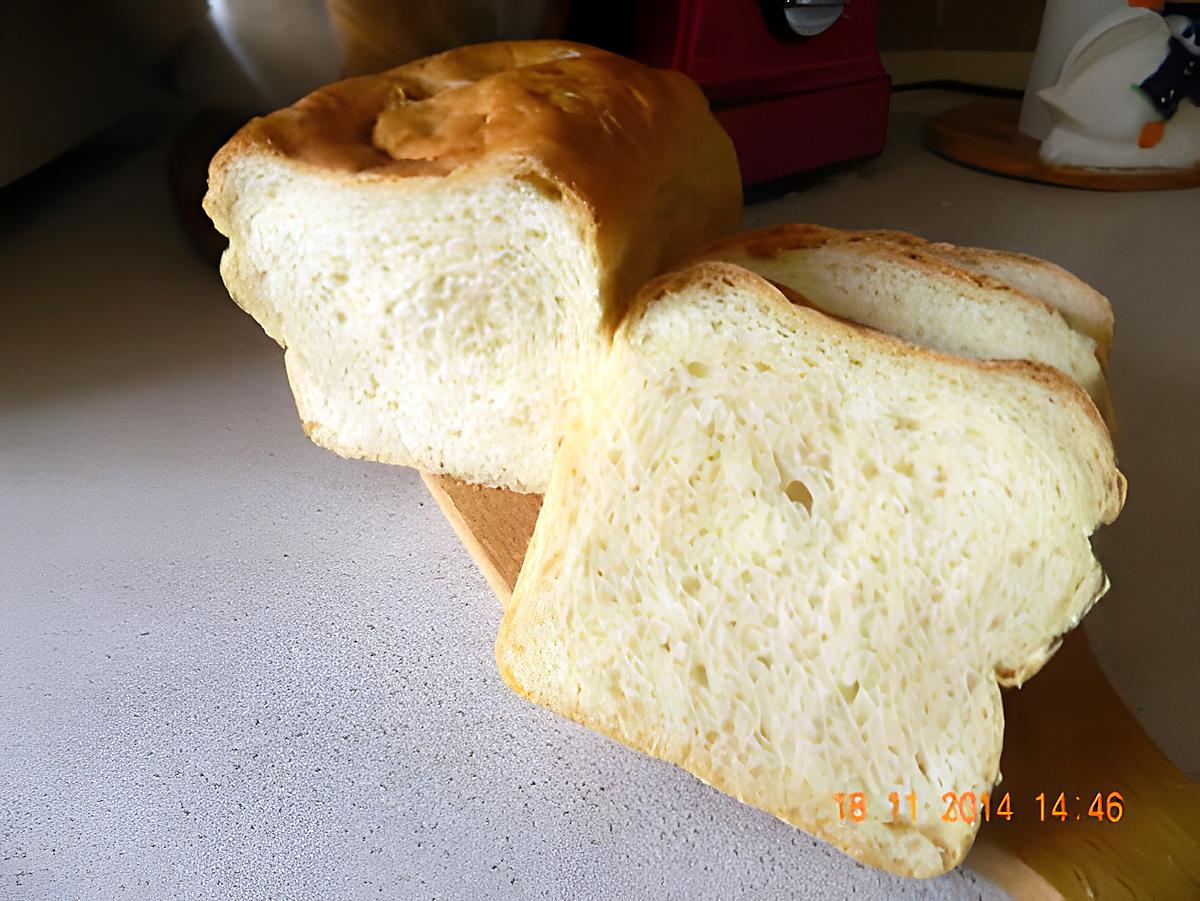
(100,287)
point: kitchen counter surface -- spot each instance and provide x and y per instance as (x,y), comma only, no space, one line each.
(235,665)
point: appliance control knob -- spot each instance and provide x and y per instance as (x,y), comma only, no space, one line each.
(810,17)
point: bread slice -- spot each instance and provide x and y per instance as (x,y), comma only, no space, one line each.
(797,558)
(1083,307)
(975,303)
(441,248)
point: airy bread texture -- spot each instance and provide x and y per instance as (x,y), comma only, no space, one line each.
(797,557)
(443,247)
(966,301)
(1083,307)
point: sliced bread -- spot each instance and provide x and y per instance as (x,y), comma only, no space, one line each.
(1083,307)
(797,558)
(966,301)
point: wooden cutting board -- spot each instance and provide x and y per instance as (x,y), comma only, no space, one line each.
(1066,732)
(983,134)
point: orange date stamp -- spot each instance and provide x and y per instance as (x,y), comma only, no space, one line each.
(970,808)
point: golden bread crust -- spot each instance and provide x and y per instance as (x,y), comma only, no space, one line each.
(548,100)
(635,146)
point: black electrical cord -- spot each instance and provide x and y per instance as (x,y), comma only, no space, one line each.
(965,87)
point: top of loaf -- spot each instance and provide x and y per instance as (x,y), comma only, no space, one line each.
(580,111)
(638,146)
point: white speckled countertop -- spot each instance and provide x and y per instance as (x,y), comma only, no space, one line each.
(233,665)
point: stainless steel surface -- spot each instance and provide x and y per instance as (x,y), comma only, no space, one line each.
(811,17)
(69,69)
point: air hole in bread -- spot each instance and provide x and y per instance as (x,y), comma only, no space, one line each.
(541,185)
(798,493)
(849,692)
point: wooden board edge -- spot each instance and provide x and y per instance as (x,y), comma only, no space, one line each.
(494,525)
(983,134)
(1009,872)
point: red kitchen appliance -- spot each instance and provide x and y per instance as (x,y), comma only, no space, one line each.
(798,84)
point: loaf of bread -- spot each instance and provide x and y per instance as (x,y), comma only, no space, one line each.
(967,301)
(443,247)
(798,557)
